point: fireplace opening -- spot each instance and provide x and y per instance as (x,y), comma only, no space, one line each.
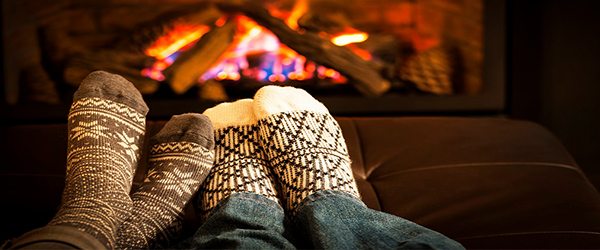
(359,57)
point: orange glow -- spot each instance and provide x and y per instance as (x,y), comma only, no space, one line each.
(346,39)
(178,38)
(221,21)
(360,52)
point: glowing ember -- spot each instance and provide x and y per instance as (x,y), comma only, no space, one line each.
(346,39)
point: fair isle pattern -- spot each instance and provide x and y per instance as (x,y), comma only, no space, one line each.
(308,153)
(176,171)
(239,167)
(105,138)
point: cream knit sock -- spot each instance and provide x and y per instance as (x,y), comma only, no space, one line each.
(239,161)
(303,143)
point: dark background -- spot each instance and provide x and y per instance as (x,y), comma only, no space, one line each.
(554,72)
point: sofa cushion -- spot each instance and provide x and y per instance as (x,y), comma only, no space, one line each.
(484,182)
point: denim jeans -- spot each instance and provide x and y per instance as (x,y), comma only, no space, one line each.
(324,220)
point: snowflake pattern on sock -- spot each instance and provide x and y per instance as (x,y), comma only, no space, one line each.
(176,171)
(103,150)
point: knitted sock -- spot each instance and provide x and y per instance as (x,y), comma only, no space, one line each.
(303,143)
(181,156)
(239,162)
(106,129)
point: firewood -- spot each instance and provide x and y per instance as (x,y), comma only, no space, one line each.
(212,90)
(199,14)
(363,74)
(192,64)
(332,22)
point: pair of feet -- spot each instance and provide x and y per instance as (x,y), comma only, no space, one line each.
(283,145)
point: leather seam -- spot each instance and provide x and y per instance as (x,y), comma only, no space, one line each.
(483,165)
(364,164)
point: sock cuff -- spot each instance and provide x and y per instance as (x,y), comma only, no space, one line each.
(188,127)
(238,113)
(112,87)
(270,100)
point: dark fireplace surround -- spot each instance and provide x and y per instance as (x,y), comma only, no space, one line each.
(95,24)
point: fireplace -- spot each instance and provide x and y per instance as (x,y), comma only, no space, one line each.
(398,57)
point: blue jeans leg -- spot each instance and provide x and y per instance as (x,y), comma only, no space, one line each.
(244,221)
(337,220)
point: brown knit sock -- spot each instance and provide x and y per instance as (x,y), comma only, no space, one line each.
(106,129)
(181,156)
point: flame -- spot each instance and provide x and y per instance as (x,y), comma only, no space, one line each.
(348,38)
(178,38)
(345,39)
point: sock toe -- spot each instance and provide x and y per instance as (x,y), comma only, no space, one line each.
(102,84)
(238,113)
(189,127)
(272,99)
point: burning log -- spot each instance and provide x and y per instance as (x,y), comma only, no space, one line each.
(192,64)
(331,23)
(364,74)
(213,90)
(202,14)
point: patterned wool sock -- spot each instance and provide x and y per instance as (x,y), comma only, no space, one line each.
(106,129)
(239,162)
(181,156)
(303,143)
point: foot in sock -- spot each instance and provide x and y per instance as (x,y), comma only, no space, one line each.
(181,156)
(239,161)
(303,143)
(106,128)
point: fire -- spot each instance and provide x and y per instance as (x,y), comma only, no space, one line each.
(278,63)
(256,52)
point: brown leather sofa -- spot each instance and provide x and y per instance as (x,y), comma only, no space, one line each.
(487,183)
